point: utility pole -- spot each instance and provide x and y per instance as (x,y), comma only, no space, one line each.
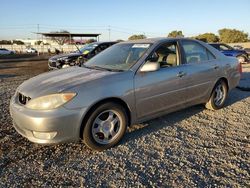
(37,38)
(37,32)
(109,31)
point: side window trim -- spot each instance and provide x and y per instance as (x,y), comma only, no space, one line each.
(209,52)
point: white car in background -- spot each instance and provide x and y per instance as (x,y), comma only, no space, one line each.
(31,50)
(4,51)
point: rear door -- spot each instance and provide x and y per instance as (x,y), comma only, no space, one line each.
(201,71)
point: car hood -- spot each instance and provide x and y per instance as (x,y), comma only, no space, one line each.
(235,51)
(59,81)
(64,55)
(240,51)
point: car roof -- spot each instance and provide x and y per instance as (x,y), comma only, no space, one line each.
(158,40)
(216,43)
(149,40)
(105,42)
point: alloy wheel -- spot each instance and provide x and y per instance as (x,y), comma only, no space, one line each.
(219,95)
(106,127)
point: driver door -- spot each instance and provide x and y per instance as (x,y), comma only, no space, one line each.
(162,90)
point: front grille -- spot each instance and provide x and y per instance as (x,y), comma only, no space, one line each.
(23,99)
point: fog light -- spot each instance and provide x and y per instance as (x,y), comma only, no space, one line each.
(65,66)
(44,136)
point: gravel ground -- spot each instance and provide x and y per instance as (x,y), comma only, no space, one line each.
(192,147)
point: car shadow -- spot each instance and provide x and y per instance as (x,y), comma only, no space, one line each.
(7,76)
(236,95)
(154,125)
(244,83)
(11,67)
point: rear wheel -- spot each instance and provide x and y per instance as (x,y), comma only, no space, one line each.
(218,96)
(105,127)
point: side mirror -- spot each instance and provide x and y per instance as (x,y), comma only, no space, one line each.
(150,67)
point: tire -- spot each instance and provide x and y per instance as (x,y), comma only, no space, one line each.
(105,126)
(217,99)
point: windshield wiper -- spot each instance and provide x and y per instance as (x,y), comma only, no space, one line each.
(102,68)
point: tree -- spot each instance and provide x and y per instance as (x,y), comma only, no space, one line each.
(5,42)
(61,40)
(119,40)
(175,34)
(39,42)
(232,36)
(136,37)
(18,42)
(208,37)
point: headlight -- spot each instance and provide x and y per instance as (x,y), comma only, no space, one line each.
(62,58)
(49,102)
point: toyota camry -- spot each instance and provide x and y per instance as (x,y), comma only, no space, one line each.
(128,83)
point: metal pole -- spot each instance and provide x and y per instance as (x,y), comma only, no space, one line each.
(37,32)
(42,44)
(109,31)
(37,38)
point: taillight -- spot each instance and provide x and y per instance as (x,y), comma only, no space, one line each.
(239,68)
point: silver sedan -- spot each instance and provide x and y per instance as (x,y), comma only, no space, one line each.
(128,83)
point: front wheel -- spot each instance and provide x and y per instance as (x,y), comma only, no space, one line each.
(218,96)
(105,127)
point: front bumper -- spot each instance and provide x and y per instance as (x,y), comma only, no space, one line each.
(46,127)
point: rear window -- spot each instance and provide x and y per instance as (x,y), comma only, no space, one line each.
(215,46)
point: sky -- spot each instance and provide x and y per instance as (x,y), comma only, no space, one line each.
(19,19)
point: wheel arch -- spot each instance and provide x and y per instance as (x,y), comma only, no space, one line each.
(95,105)
(225,80)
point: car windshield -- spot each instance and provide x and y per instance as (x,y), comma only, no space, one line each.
(88,47)
(119,57)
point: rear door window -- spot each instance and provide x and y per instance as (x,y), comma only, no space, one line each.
(195,52)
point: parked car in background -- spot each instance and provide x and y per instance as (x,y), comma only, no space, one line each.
(227,50)
(238,47)
(31,50)
(4,51)
(248,51)
(128,83)
(54,50)
(77,58)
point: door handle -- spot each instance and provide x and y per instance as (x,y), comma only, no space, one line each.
(216,66)
(181,74)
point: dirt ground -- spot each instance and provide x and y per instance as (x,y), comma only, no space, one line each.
(191,147)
